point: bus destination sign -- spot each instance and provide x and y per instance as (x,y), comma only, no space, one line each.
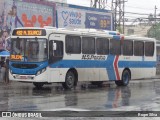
(29,32)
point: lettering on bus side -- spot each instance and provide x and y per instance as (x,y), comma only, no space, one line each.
(93,57)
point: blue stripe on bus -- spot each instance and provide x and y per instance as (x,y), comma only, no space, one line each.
(108,64)
(137,64)
(34,71)
(117,37)
(102,64)
(110,69)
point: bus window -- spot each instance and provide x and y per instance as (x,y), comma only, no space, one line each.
(138,48)
(59,50)
(18,46)
(149,48)
(88,45)
(73,44)
(55,55)
(34,48)
(102,45)
(127,48)
(115,47)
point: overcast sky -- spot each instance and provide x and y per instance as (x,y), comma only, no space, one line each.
(137,6)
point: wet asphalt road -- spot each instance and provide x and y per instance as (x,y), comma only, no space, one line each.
(140,95)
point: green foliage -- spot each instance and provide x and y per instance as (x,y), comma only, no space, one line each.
(119,29)
(154,31)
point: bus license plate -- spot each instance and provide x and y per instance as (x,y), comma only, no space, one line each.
(23,77)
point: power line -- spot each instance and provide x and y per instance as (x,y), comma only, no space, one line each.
(139,7)
(118,13)
(137,13)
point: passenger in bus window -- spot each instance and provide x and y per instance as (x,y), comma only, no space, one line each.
(18,47)
(33,50)
(7,71)
(3,68)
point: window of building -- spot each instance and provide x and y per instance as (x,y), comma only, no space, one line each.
(130,31)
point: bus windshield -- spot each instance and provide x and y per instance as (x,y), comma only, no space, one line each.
(29,49)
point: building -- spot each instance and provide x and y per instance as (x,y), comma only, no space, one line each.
(140,29)
(58,1)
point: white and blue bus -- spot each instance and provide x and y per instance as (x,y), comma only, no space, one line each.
(51,55)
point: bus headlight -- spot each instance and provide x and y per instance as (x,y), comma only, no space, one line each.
(10,71)
(44,69)
(38,73)
(41,71)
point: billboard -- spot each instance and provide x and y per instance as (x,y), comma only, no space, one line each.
(72,16)
(24,13)
(98,21)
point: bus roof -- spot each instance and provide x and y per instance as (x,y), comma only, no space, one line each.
(139,38)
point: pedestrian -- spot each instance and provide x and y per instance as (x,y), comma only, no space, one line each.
(3,70)
(7,71)
(1,80)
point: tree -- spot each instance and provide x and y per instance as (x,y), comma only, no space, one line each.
(154,31)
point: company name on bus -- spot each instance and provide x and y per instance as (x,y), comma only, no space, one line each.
(93,57)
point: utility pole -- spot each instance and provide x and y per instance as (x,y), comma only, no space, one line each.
(155,17)
(118,14)
(101,4)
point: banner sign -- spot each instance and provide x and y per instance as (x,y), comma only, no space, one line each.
(70,18)
(24,13)
(73,16)
(98,21)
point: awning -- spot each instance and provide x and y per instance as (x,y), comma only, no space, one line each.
(4,53)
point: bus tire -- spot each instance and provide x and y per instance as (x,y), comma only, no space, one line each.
(69,80)
(38,84)
(98,83)
(125,79)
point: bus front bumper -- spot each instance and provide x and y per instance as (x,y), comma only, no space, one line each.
(28,78)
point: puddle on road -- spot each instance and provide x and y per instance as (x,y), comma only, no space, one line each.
(108,97)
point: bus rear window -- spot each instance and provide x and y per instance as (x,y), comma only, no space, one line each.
(149,48)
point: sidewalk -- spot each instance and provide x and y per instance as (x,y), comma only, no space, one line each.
(156,77)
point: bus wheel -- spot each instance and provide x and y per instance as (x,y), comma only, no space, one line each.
(98,83)
(125,79)
(69,80)
(38,84)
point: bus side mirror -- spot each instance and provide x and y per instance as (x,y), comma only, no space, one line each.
(54,46)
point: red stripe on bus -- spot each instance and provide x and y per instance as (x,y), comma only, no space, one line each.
(116,67)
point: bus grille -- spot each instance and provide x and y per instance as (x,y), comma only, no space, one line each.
(24,66)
